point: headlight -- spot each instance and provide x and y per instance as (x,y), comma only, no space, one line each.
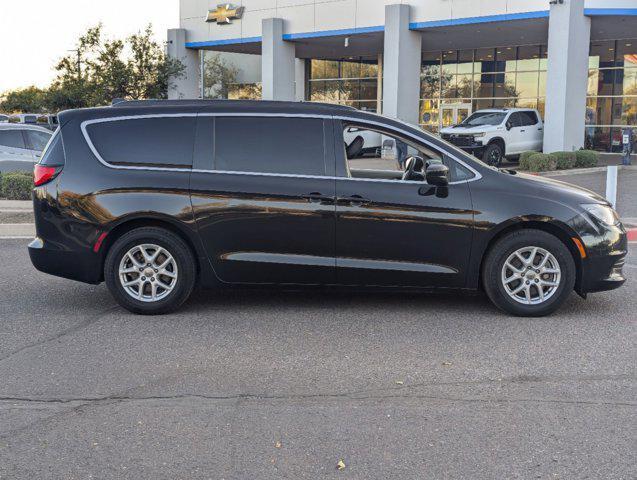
(479,135)
(603,213)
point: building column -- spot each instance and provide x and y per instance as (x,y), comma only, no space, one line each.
(567,77)
(187,85)
(401,65)
(299,79)
(277,62)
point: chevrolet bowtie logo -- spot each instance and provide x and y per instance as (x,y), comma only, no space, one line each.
(224,14)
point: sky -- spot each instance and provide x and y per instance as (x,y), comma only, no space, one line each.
(37,33)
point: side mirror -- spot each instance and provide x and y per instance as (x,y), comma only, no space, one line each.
(508,125)
(437,174)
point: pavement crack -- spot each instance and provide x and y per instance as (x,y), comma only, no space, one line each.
(82,401)
(57,336)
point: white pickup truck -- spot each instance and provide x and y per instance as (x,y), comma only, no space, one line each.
(495,133)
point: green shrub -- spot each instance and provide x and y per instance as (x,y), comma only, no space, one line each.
(565,160)
(586,158)
(525,155)
(16,185)
(539,162)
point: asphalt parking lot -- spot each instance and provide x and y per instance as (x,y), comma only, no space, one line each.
(249,385)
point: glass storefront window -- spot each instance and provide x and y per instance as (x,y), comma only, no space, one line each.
(603,53)
(450,62)
(516,76)
(484,60)
(506,59)
(627,81)
(465,61)
(526,84)
(351,82)
(430,86)
(627,109)
(528,58)
(430,63)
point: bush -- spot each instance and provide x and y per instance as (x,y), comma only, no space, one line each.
(539,162)
(16,185)
(586,158)
(524,156)
(565,160)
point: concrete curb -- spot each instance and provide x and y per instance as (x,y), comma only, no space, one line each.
(15,205)
(17,230)
(576,171)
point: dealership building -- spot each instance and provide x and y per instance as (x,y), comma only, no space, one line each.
(427,62)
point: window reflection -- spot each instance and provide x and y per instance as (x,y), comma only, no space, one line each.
(352,82)
(515,76)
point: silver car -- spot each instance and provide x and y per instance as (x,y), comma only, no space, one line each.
(21,145)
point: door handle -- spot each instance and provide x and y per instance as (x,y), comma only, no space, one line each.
(354,200)
(522,130)
(317,197)
(540,129)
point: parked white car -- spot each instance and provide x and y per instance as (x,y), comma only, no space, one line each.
(493,134)
(21,145)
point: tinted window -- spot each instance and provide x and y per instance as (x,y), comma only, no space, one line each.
(37,140)
(528,118)
(145,141)
(11,138)
(270,145)
(54,152)
(515,120)
(484,118)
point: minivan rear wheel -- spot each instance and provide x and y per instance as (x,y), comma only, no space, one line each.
(150,270)
(529,273)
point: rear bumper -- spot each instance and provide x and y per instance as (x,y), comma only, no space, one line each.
(81,266)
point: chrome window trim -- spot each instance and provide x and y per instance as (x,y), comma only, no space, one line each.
(89,142)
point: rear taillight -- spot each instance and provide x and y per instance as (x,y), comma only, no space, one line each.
(43,174)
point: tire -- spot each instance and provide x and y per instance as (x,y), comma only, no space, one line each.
(500,281)
(161,293)
(493,155)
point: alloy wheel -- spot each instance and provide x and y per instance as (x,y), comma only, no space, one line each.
(531,275)
(148,272)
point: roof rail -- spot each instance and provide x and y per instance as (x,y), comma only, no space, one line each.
(203,102)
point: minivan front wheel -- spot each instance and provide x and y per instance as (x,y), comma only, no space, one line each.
(529,273)
(150,270)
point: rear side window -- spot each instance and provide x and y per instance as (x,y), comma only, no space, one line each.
(37,140)
(11,138)
(528,118)
(270,145)
(163,141)
(53,154)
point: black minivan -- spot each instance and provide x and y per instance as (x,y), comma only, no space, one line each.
(155,197)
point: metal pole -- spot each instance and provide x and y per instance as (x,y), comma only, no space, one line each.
(611,185)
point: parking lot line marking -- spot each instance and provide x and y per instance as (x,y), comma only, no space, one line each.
(16,237)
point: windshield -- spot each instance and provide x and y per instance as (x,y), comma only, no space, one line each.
(484,118)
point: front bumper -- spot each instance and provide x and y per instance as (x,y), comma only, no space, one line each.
(602,269)
(468,145)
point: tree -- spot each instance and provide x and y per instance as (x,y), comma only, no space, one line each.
(29,99)
(100,70)
(218,76)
